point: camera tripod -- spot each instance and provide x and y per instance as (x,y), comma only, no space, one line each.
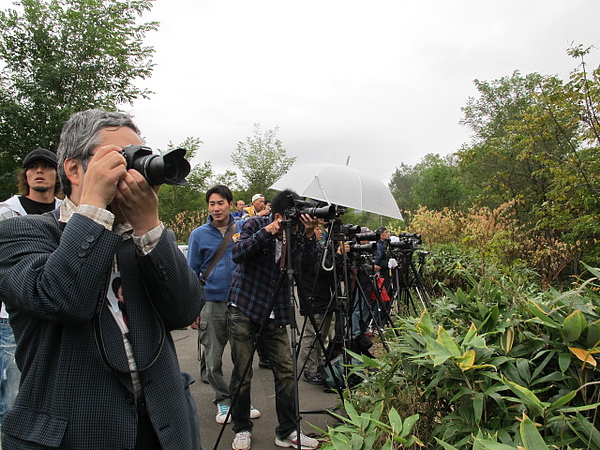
(351,283)
(321,293)
(407,282)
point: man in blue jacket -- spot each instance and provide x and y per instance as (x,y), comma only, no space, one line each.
(203,246)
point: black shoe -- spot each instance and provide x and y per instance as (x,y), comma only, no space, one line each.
(313,378)
(264,363)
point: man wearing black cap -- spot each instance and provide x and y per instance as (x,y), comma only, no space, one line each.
(38,185)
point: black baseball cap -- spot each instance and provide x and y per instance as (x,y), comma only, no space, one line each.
(40,153)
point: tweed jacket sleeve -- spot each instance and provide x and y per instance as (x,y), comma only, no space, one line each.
(171,284)
(60,278)
(41,273)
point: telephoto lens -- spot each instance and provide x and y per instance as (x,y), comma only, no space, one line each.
(170,168)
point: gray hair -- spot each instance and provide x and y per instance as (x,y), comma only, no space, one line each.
(81,134)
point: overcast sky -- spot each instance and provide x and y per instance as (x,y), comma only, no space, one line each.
(380,81)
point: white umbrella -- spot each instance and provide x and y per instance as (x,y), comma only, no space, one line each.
(340,185)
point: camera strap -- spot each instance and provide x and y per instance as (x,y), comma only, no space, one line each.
(219,254)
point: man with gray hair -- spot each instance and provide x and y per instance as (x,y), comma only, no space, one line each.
(99,367)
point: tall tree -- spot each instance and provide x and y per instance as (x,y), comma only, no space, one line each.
(401,184)
(566,141)
(62,56)
(434,182)
(537,140)
(494,166)
(261,160)
(437,183)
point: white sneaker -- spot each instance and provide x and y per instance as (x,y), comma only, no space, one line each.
(241,441)
(254,413)
(222,412)
(306,443)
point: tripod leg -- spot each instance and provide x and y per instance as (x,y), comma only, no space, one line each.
(375,322)
(420,287)
(314,353)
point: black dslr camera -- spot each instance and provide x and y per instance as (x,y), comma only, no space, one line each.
(300,207)
(406,242)
(170,168)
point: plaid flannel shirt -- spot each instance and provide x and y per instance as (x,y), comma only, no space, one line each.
(257,272)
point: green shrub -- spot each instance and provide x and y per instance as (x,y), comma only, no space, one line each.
(496,364)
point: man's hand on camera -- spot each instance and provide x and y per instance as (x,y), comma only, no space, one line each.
(310,223)
(103,173)
(346,248)
(274,226)
(137,202)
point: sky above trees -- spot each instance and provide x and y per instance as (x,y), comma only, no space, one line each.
(382,82)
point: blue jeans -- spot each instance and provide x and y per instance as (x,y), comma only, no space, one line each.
(9,373)
(276,344)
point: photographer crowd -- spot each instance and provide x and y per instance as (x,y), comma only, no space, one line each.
(92,285)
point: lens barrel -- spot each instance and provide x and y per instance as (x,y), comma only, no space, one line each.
(170,168)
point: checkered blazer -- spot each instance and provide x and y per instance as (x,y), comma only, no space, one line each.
(51,278)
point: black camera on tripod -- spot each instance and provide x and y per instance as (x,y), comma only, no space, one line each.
(293,213)
(406,242)
(349,232)
(170,168)
(363,248)
(370,236)
(364,243)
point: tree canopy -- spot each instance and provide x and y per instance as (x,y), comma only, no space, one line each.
(63,56)
(536,146)
(261,160)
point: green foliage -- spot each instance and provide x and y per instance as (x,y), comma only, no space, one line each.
(437,184)
(363,431)
(536,146)
(63,56)
(434,182)
(496,365)
(261,160)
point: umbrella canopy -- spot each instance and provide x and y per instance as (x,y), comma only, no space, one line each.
(340,185)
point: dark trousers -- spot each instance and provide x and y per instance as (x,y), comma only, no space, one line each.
(276,344)
(146,436)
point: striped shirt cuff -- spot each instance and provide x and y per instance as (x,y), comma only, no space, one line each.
(148,241)
(98,215)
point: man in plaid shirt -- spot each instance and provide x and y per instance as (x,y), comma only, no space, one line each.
(259,308)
